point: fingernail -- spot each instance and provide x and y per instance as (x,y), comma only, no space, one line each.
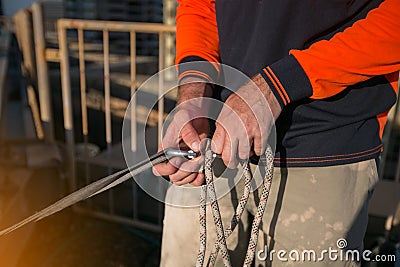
(196,146)
(155,172)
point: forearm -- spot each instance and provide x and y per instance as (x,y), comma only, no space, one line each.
(197,40)
(191,88)
(273,103)
(370,47)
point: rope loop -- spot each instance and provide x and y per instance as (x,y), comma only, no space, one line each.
(209,189)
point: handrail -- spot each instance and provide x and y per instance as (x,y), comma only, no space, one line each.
(123,26)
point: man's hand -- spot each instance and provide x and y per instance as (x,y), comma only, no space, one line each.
(190,126)
(245,122)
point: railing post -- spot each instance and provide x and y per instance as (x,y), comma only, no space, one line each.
(42,73)
(133,91)
(161,65)
(67,102)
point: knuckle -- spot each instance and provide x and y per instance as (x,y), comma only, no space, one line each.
(188,133)
(160,170)
(185,180)
(251,128)
(257,150)
(155,171)
(243,154)
(173,179)
(197,182)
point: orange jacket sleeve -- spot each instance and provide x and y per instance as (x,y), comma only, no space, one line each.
(370,47)
(197,39)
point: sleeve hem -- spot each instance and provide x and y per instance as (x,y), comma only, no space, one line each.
(194,66)
(287,80)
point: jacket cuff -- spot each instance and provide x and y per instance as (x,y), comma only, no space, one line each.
(287,80)
(194,66)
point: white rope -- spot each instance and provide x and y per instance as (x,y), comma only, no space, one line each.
(203,227)
(208,172)
(238,214)
(269,172)
(220,243)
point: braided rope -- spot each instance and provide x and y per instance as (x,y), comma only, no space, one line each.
(214,205)
(269,171)
(221,238)
(203,227)
(238,213)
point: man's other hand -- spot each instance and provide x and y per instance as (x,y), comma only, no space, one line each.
(245,121)
(189,125)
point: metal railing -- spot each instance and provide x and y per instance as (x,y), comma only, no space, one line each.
(105,27)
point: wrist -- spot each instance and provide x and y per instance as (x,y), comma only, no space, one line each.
(268,95)
(192,87)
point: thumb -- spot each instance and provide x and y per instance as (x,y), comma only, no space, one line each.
(190,137)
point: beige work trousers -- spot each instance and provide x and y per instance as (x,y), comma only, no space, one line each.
(309,210)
